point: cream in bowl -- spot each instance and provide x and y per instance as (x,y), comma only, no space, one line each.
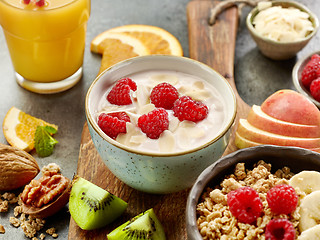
(160,149)
(178,135)
(281,28)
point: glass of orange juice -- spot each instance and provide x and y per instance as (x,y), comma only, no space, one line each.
(46,41)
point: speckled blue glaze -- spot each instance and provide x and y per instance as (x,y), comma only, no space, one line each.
(158,173)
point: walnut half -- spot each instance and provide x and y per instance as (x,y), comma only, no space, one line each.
(44,197)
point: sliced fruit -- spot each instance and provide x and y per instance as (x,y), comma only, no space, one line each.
(309,211)
(117,47)
(19,128)
(242,142)
(92,207)
(246,130)
(311,233)
(157,40)
(137,47)
(291,106)
(263,121)
(144,226)
(306,181)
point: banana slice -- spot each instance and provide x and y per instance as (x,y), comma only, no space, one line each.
(306,181)
(309,211)
(311,233)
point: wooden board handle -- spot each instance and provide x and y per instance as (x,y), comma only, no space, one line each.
(214,45)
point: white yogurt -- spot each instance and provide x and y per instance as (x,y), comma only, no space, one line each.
(180,136)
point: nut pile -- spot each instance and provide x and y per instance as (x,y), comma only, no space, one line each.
(38,193)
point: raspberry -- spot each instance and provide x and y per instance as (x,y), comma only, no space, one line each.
(315,89)
(280,229)
(113,123)
(245,204)
(164,95)
(309,72)
(154,122)
(185,108)
(40,3)
(282,199)
(120,93)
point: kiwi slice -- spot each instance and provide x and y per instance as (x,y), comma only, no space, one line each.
(144,226)
(92,207)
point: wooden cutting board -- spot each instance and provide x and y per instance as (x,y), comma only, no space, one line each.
(213,45)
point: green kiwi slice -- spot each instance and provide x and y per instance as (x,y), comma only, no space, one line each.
(92,207)
(144,226)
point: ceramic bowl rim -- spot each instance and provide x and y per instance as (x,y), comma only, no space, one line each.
(154,154)
(296,79)
(300,6)
(206,176)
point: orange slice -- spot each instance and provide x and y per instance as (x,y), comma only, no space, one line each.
(157,40)
(116,47)
(19,128)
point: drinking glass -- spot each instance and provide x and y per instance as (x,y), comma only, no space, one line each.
(46,43)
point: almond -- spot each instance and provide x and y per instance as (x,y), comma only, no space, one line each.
(17,168)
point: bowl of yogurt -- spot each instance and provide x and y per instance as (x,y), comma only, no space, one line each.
(281,28)
(154,149)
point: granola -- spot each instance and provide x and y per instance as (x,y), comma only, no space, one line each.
(215,220)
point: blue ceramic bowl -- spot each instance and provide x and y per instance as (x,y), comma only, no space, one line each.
(158,172)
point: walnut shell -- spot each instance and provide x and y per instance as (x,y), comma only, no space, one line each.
(17,168)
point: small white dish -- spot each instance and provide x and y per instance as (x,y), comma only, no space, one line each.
(281,50)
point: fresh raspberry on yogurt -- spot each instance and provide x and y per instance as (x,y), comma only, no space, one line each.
(154,123)
(120,93)
(113,123)
(185,108)
(164,95)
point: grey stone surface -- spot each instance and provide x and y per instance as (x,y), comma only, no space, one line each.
(256,78)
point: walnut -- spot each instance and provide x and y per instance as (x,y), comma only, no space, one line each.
(51,169)
(17,167)
(46,189)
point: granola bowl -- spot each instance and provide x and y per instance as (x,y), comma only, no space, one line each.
(294,158)
(129,156)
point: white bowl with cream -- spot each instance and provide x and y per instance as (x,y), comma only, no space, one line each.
(281,28)
(145,164)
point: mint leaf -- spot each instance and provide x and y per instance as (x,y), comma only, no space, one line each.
(50,129)
(44,142)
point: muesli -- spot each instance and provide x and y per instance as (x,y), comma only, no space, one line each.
(215,220)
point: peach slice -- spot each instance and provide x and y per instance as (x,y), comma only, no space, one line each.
(242,142)
(263,121)
(291,106)
(248,131)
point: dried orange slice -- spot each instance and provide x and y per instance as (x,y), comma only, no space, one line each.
(116,47)
(19,128)
(157,40)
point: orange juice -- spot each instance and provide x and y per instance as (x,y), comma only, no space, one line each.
(46,43)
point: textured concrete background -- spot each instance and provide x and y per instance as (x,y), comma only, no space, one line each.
(256,78)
